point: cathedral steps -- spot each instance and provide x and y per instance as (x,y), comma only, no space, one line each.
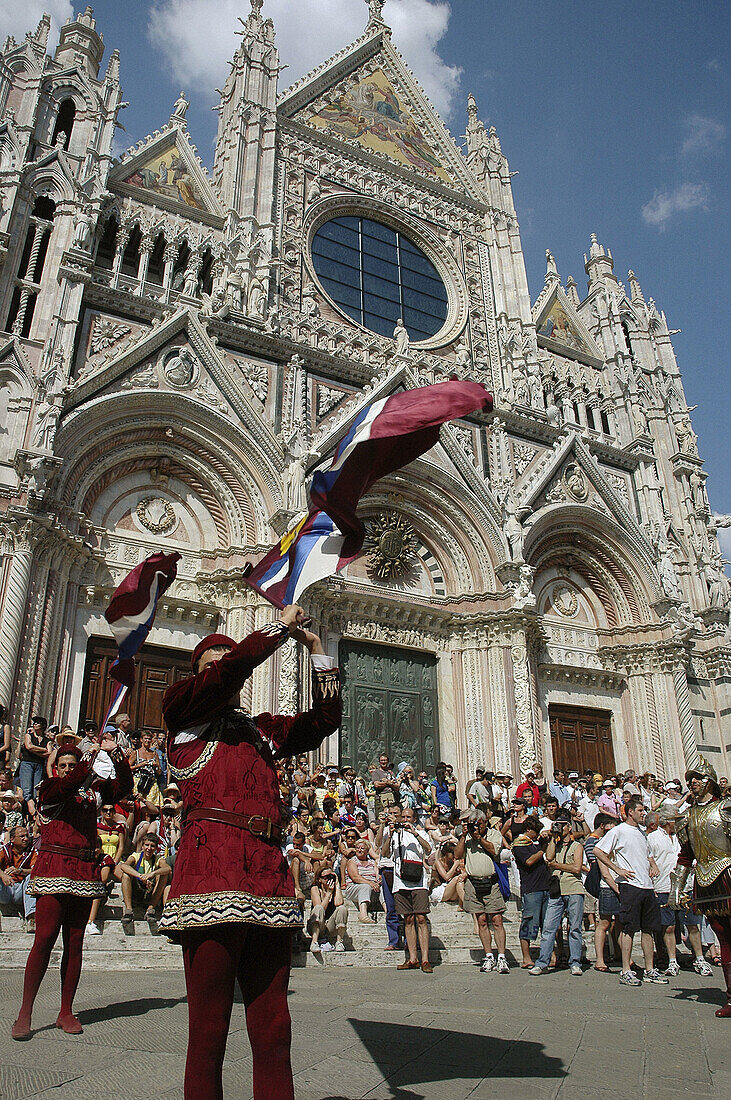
(452,940)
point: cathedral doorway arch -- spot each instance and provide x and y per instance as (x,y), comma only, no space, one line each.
(389,705)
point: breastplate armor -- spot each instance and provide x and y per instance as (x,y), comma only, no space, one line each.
(709,829)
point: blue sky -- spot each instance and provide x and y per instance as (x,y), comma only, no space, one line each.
(614,115)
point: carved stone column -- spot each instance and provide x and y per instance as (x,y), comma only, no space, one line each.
(170,255)
(146,246)
(20,553)
(524,717)
(474,706)
(123,235)
(685,713)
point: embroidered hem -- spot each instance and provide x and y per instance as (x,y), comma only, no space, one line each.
(197,765)
(73,886)
(192,911)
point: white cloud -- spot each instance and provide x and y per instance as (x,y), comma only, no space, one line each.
(664,204)
(702,135)
(17,19)
(197,37)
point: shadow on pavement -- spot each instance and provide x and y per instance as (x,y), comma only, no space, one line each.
(708,995)
(136,1007)
(407,1055)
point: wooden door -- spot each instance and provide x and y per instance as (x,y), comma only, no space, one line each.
(157,668)
(581,738)
(389,705)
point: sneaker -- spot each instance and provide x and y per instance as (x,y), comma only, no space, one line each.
(701,967)
(488,964)
(655,977)
(576,970)
(628,977)
(340,946)
(315,948)
(93,929)
(536,970)
(326,947)
(672,970)
(503,967)
(30,926)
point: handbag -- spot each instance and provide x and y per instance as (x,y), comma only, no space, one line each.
(503,880)
(410,870)
(593,880)
(554,887)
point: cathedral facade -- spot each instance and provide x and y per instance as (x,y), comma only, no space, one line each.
(179,350)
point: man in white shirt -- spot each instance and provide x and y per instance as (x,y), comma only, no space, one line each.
(623,852)
(588,806)
(664,847)
(409,846)
(481,846)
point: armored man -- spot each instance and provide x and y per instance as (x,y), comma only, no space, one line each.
(232,905)
(705,837)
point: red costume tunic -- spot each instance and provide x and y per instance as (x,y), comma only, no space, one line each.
(223,758)
(67,809)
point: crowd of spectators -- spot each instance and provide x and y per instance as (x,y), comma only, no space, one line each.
(581,853)
(584,853)
(136,839)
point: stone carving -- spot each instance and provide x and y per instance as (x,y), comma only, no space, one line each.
(326,398)
(390,544)
(666,569)
(512,526)
(181,368)
(105,333)
(84,225)
(687,439)
(401,339)
(156,514)
(522,457)
(575,483)
(256,298)
(685,622)
(523,712)
(719,585)
(180,106)
(523,596)
(462,358)
(314,190)
(44,431)
(309,306)
(257,375)
(144,378)
(564,600)
(294,489)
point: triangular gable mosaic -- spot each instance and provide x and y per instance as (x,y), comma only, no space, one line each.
(372,113)
(557,325)
(165,173)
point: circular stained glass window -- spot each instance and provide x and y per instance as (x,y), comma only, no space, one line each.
(376,275)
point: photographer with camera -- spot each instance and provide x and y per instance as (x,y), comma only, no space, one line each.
(564,856)
(145,766)
(409,846)
(481,846)
(329,911)
(388,821)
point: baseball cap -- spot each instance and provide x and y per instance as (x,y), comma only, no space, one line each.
(608,783)
(573,775)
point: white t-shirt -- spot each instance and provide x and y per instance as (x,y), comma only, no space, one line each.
(589,809)
(664,850)
(626,845)
(405,846)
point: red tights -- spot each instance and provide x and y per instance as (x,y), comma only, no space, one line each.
(259,959)
(56,913)
(722,927)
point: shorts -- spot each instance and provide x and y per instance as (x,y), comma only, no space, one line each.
(533,913)
(608,902)
(590,904)
(411,902)
(678,918)
(141,893)
(494,902)
(639,910)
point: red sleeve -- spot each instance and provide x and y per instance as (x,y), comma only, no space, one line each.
(686,857)
(56,790)
(307,730)
(523,787)
(199,698)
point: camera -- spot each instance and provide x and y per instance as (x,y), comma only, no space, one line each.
(557,827)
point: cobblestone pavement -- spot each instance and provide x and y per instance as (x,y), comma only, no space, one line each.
(381,1034)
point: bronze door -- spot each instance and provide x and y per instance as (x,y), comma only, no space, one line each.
(156,669)
(581,738)
(389,705)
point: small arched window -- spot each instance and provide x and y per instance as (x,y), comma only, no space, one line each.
(156,266)
(64,122)
(180,266)
(625,330)
(30,268)
(107,245)
(131,257)
(205,275)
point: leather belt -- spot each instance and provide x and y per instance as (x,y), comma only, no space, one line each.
(84,854)
(258,825)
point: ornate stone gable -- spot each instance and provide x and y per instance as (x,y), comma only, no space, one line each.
(164,170)
(325,398)
(559,327)
(367,96)
(368,109)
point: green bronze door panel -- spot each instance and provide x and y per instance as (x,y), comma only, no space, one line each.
(389,704)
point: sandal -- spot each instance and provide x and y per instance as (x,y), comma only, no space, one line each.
(408,966)
(603,969)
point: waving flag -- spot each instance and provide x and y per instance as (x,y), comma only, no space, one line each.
(384,436)
(131,610)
